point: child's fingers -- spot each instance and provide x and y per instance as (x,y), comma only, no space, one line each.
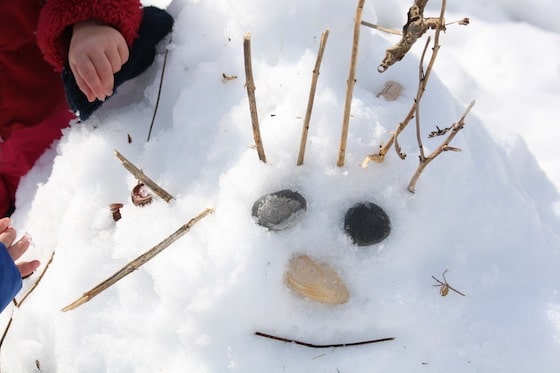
(102,84)
(7,237)
(27,268)
(19,248)
(4,223)
(80,70)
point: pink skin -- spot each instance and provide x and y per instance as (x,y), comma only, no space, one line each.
(17,249)
(96,53)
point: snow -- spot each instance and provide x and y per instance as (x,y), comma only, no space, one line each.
(489,214)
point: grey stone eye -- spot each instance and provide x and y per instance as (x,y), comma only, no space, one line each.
(279,210)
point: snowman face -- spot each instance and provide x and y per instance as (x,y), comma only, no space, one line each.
(365,223)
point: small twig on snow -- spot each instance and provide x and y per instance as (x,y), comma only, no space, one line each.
(250,85)
(311,98)
(424,161)
(140,176)
(30,290)
(260,334)
(158,94)
(136,263)
(18,304)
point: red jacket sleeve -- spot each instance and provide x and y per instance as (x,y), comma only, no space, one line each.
(53,29)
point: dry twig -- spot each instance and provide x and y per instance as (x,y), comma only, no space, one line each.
(413,30)
(311,98)
(250,85)
(381,28)
(423,82)
(312,345)
(136,263)
(158,94)
(24,297)
(30,290)
(350,84)
(424,161)
(140,176)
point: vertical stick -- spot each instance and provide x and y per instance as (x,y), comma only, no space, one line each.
(311,98)
(350,84)
(250,84)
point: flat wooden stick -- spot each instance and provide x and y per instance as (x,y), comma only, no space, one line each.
(311,98)
(250,85)
(312,345)
(350,84)
(138,174)
(136,263)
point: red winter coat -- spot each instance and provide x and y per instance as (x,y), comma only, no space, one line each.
(32,102)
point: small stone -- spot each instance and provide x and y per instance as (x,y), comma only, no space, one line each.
(279,210)
(316,281)
(367,224)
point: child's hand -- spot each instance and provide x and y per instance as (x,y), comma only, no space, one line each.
(96,52)
(16,250)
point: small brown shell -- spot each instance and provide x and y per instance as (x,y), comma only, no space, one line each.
(316,281)
(140,195)
(391,90)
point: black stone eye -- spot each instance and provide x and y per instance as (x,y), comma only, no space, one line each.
(367,224)
(279,210)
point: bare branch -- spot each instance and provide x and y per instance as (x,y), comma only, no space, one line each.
(158,94)
(381,28)
(414,12)
(312,345)
(443,147)
(413,30)
(311,98)
(136,263)
(250,85)
(350,84)
(140,176)
(28,292)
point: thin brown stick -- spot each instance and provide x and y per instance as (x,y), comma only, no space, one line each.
(30,290)
(250,85)
(6,331)
(312,345)
(311,98)
(440,149)
(381,28)
(158,94)
(136,263)
(350,84)
(421,77)
(138,174)
(27,293)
